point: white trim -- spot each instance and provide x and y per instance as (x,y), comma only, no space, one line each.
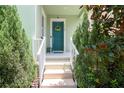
(44,15)
(41,58)
(58,20)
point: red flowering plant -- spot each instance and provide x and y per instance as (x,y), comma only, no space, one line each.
(102,46)
(88,49)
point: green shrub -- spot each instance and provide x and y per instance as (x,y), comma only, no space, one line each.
(17,68)
(100,61)
(82,70)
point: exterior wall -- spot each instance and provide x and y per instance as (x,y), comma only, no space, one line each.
(38,22)
(39,11)
(31,17)
(71,24)
(27,16)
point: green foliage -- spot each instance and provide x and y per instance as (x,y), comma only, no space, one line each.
(17,68)
(100,61)
(82,31)
(83,73)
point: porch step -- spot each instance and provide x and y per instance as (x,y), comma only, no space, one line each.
(57,59)
(58,55)
(57,74)
(58,83)
(57,65)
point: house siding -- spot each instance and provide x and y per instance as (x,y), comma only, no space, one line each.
(27,17)
(39,11)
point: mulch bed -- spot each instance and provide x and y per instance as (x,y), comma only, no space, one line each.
(35,83)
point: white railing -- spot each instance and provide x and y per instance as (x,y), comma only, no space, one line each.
(41,58)
(74,52)
(36,46)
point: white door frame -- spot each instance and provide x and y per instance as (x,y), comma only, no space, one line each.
(58,20)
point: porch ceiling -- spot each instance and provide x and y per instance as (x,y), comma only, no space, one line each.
(62,9)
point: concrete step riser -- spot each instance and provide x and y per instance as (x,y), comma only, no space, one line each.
(57,60)
(58,76)
(58,87)
(57,67)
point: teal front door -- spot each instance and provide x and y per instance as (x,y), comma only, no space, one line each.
(57,36)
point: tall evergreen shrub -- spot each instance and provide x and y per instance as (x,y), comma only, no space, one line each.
(82,68)
(17,68)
